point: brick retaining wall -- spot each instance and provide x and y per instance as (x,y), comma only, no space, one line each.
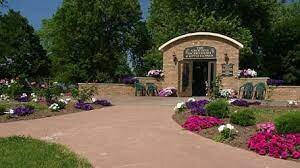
(285,93)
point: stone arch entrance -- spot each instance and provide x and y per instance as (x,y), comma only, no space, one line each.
(191,62)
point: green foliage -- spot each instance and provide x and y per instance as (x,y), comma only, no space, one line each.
(244,117)
(218,108)
(21,53)
(225,135)
(2,109)
(288,123)
(14,89)
(281,45)
(22,152)
(91,40)
(86,93)
(215,88)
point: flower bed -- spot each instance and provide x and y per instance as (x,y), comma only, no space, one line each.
(197,107)
(168,92)
(260,138)
(196,123)
(158,74)
(247,73)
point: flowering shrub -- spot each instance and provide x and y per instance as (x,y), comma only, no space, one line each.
(54,107)
(83,106)
(266,127)
(275,82)
(128,80)
(275,145)
(168,92)
(23,98)
(180,107)
(196,123)
(226,132)
(21,111)
(102,102)
(4,97)
(292,103)
(34,97)
(155,73)
(197,107)
(228,93)
(61,104)
(247,73)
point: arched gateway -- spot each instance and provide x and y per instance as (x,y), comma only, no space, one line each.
(192,61)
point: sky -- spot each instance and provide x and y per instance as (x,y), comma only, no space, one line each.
(37,10)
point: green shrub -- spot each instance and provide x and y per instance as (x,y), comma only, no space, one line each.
(218,108)
(245,117)
(288,123)
(2,109)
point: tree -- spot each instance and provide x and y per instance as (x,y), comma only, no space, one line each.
(21,53)
(282,45)
(169,19)
(91,40)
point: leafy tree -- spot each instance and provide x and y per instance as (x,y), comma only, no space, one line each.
(92,40)
(169,19)
(21,53)
(282,45)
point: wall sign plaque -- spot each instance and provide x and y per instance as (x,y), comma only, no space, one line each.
(227,70)
(200,52)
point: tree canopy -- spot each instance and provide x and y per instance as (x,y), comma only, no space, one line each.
(93,40)
(21,53)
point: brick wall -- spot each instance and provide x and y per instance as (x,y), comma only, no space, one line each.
(114,89)
(177,48)
(285,93)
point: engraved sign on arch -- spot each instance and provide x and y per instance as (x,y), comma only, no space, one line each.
(200,52)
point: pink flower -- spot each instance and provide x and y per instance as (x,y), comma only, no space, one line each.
(284,155)
(196,123)
(296,155)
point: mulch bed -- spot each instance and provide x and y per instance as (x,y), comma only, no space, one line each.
(45,113)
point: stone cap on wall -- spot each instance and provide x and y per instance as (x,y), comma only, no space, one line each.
(240,45)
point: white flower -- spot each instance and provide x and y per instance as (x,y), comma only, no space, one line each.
(11,111)
(94,100)
(35,100)
(292,103)
(55,83)
(191,99)
(229,126)
(24,95)
(63,101)
(68,99)
(221,128)
(179,107)
(62,94)
(54,107)
(231,101)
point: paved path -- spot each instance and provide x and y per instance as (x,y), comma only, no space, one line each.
(138,133)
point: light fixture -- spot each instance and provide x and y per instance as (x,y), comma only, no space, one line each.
(175,59)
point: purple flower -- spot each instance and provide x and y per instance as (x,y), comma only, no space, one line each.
(240,102)
(128,80)
(22,111)
(197,107)
(275,82)
(168,92)
(103,102)
(84,106)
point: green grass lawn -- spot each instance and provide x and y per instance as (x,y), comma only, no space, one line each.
(25,152)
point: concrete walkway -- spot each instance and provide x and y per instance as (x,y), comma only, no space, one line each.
(138,133)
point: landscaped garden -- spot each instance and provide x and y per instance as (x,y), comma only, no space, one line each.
(23,100)
(25,152)
(272,131)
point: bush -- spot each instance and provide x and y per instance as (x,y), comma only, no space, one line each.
(218,108)
(2,109)
(245,117)
(288,123)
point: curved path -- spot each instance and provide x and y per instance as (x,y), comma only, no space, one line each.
(138,133)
